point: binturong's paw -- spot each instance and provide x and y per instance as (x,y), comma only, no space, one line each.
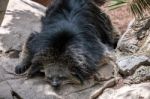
(19,69)
(34,71)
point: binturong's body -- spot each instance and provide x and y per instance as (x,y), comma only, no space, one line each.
(71,42)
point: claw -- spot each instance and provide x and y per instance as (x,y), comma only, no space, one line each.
(21,69)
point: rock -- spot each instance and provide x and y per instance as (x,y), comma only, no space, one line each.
(139,91)
(140,75)
(133,49)
(19,23)
(128,64)
(13,54)
(37,88)
(136,39)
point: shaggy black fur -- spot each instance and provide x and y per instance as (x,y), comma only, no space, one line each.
(73,36)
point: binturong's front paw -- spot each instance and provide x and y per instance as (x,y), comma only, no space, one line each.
(33,71)
(19,69)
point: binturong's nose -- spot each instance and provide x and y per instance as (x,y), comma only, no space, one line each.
(55,83)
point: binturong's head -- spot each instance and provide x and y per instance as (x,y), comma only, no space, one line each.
(58,75)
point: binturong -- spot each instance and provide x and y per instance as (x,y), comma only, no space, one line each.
(71,42)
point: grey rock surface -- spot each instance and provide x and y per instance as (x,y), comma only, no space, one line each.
(37,88)
(141,74)
(133,58)
(136,39)
(137,91)
(133,49)
(22,18)
(128,64)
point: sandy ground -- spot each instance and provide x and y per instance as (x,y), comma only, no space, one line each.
(120,17)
